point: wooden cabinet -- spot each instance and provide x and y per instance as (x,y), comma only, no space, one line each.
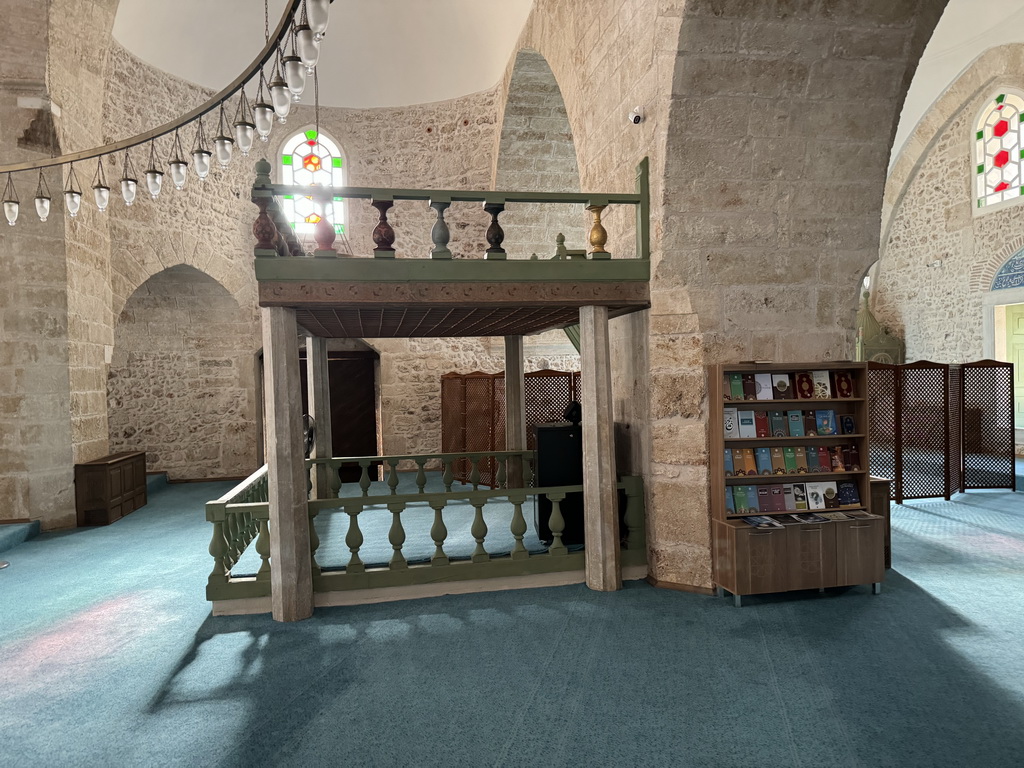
(107,489)
(808,439)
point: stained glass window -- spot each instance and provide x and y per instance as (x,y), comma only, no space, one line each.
(998,150)
(312,159)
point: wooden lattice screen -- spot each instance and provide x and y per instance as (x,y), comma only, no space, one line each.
(936,429)
(473,411)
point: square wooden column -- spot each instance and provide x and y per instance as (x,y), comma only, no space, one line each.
(319,391)
(600,496)
(291,580)
(515,408)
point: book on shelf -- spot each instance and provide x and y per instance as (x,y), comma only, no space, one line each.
(800,495)
(789,459)
(761,426)
(843,384)
(800,456)
(810,424)
(831,495)
(752,507)
(822,495)
(822,385)
(782,388)
(812,458)
(730,505)
(804,385)
(835,516)
(736,386)
(776,498)
(763,386)
(749,462)
(730,470)
(761,521)
(726,387)
(809,517)
(787,497)
(860,514)
(730,423)
(739,497)
(749,386)
(835,457)
(745,420)
(796,423)
(764,460)
(851,458)
(849,496)
(825,421)
(764,503)
(777,422)
(847,424)
(824,461)
(778,461)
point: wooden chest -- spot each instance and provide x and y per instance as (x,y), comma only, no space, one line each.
(109,488)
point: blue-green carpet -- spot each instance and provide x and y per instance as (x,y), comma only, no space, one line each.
(109,657)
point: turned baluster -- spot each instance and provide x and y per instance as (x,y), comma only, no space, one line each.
(364,478)
(438,533)
(474,475)
(518,528)
(439,233)
(561,254)
(448,476)
(557,525)
(598,234)
(479,532)
(334,472)
(219,551)
(527,470)
(397,537)
(263,228)
(393,476)
(314,544)
(383,234)
(231,536)
(263,550)
(354,539)
(421,476)
(495,234)
(499,478)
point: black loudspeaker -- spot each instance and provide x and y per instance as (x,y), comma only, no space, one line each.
(560,462)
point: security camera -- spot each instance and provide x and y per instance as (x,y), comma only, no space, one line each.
(636,116)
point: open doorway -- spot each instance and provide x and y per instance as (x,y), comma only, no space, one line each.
(1008,338)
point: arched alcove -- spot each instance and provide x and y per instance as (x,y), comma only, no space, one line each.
(181,379)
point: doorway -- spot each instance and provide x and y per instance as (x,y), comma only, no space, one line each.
(1009,347)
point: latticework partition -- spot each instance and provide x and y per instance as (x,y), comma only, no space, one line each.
(988,430)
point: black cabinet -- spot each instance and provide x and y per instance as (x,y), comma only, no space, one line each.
(560,462)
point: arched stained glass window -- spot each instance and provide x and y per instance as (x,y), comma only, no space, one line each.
(999,147)
(312,159)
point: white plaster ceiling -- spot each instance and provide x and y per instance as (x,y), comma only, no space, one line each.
(377,53)
(966,30)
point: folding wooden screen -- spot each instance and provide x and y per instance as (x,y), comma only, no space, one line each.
(936,429)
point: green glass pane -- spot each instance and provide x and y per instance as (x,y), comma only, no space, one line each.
(981,169)
(1000,97)
(288,197)
(286,159)
(311,135)
(293,225)
(980,134)
(981,203)
(338,199)
(338,229)
(336,162)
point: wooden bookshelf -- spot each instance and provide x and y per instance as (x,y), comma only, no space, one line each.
(801,555)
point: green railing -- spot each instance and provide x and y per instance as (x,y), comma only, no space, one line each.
(239,516)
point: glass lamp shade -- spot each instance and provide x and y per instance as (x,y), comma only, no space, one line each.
(245,132)
(179,172)
(318,13)
(128,189)
(263,114)
(222,147)
(73,201)
(282,98)
(42,207)
(154,180)
(201,162)
(295,76)
(11,208)
(307,46)
(101,193)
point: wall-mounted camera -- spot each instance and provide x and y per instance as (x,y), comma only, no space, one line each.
(636,116)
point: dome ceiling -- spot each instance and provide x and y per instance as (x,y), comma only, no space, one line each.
(382,53)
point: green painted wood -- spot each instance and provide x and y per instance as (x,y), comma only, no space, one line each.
(397,537)
(557,525)
(573,332)
(354,538)
(238,589)
(421,475)
(450,195)
(472,497)
(643,211)
(393,476)
(518,528)
(263,550)
(438,533)
(479,533)
(367,270)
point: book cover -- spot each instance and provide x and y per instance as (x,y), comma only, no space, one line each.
(851,457)
(778,461)
(810,424)
(726,387)
(745,420)
(825,421)
(730,505)
(796,423)
(835,457)
(804,385)
(730,424)
(778,423)
(801,459)
(843,384)
(729,468)
(749,386)
(831,495)
(812,458)
(739,498)
(816,495)
(749,462)
(824,460)
(777,498)
(809,517)
(737,462)
(736,386)
(759,521)
(789,459)
(822,385)
(764,502)
(849,496)
(782,388)
(761,425)
(847,424)
(787,496)
(763,386)
(764,461)
(751,491)
(800,495)
(834,515)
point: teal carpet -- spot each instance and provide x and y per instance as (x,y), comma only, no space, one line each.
(109,657)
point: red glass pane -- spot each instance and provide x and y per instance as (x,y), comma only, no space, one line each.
(313,143)
(1001,159)
(311,162)
(1001,186)
(1000,128)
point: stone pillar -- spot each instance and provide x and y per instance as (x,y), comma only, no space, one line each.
(291,579)
(318,381)
(515,408)
(600,496)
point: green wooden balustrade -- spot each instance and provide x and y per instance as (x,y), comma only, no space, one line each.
(243,514)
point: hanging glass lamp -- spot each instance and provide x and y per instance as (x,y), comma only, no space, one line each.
(11,203)
(72,193)
(42,198)
(318,13)
(154,176)
(200,154)
(307,47)
(178,167)
(100,190)
(223,145)
(295,76)
(129,184)
(281,97)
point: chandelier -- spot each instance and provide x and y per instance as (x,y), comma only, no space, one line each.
(292,51)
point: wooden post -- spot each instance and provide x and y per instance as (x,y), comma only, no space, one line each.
(291,580)
(318,386)
(600,496)
(515,409)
